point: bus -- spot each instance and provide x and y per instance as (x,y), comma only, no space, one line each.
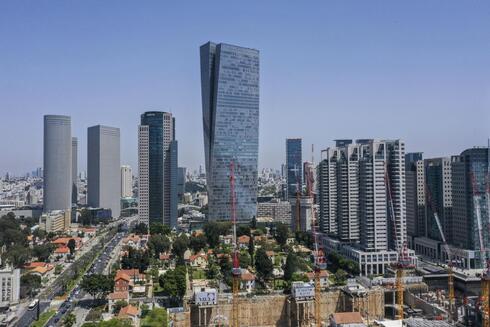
(33,304)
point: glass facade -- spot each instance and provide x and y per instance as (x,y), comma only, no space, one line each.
(230,101)
(294,166)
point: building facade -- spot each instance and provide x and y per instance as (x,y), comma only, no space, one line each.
(181,178)
(230,104)
(9,286)
(277,210)
(294,167)
(74,170)
(157,168)
(103,168)
(126,181)
(57,153)
(415,189)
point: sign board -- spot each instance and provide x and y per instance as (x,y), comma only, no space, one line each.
(305,291)
(175,310)
(206,298)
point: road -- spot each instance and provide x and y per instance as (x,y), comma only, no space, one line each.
(97,267)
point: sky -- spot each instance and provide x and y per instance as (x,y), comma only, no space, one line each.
(416,70)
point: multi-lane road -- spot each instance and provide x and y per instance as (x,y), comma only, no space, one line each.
(97,267)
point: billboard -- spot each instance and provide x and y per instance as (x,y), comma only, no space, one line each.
(209,297)
(303,292)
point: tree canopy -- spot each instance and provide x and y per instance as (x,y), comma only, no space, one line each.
(198,242)
(136,259)
(281,233)
(214,229)
(97,285)
(158,243)
(173,282)
(263,264)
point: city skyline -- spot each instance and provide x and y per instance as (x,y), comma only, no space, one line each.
(400,76)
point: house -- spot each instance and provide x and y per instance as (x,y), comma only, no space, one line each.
(129,280)
(113,297)
(35,264)
(247,282)
(227,239)
(88,231)
(41,270)
(63,241)
(129,312)
(323,278)
(243,241)
(199,260)
(62,251)
(347,319)
(164,256)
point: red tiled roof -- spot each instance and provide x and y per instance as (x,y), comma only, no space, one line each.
(347,318)
(248,276)
(62,250)
(129,310)
(244,239)
(311,275)
(118,295)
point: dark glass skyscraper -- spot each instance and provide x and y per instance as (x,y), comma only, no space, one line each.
(157,159)
(294,166)
(230,106)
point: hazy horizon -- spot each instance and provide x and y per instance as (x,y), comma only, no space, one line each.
(417,71)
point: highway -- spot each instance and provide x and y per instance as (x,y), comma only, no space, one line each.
(76,294)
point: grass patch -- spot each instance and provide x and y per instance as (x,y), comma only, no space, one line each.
(44,318)
(198,274)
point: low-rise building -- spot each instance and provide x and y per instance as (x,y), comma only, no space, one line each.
(115,297)
(199,260)
(55,221)
(129,312)
(247,281)
(9,286)
(323,278)
(346,319)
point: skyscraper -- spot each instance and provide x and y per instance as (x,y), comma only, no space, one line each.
(157,167)
(469,196)
(126,181)
(294,168)
(103,168)
(230,106)
(415,189)
(57,163)
(74,170)
(181,178)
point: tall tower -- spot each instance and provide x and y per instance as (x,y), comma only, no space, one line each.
(157,167)
(126,181)
(103,168)
(230,106)
(294,168)
(74,170)
(57,163)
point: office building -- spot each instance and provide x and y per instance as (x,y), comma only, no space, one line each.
(55,221)
(230,104)
(157,168)
(126,182)
(294,169)
(275,210)
(469,197)
(181,178)
(103,168)
(9,286)
(415,190)
(57,163)
(74,170)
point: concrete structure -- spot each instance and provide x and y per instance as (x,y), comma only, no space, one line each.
(57,163)
(230,106)
(415,194)
(181,178)
(126,182)
(305,212)
(74,170)
(55,221)
(157,167)
(471,166)
(294,168)
(103,168)
(9,286)
(277,210)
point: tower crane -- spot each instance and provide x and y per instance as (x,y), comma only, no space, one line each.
(235,271)
(298,201)
(450,275)
(403,261)
(485,277)
(319,260)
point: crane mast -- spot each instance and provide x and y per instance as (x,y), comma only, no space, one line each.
(450,275)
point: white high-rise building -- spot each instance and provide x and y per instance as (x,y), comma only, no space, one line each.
(9,286)
(143,174)
(126,182)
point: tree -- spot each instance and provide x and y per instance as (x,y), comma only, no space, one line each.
(263,264)
(158,244)
(291,266)
(173,282)
(340,277)
(243,230)
(245,260)
(155,318)
(17,255)
(69,320)
(71,245)
(42,252)
(253,223)
(281,234)
(140,229)
(180,245)
(197,243)
(97,285)
(159,228)
(213,230)
(136,259)
(58,269)
(30,284)
(251,248)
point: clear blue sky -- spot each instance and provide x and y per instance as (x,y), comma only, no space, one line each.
(416,70)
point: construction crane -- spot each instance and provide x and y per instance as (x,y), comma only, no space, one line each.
(235,271)
(298,201)
(485,277)
(403,261)
(450,274)
(319,260)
